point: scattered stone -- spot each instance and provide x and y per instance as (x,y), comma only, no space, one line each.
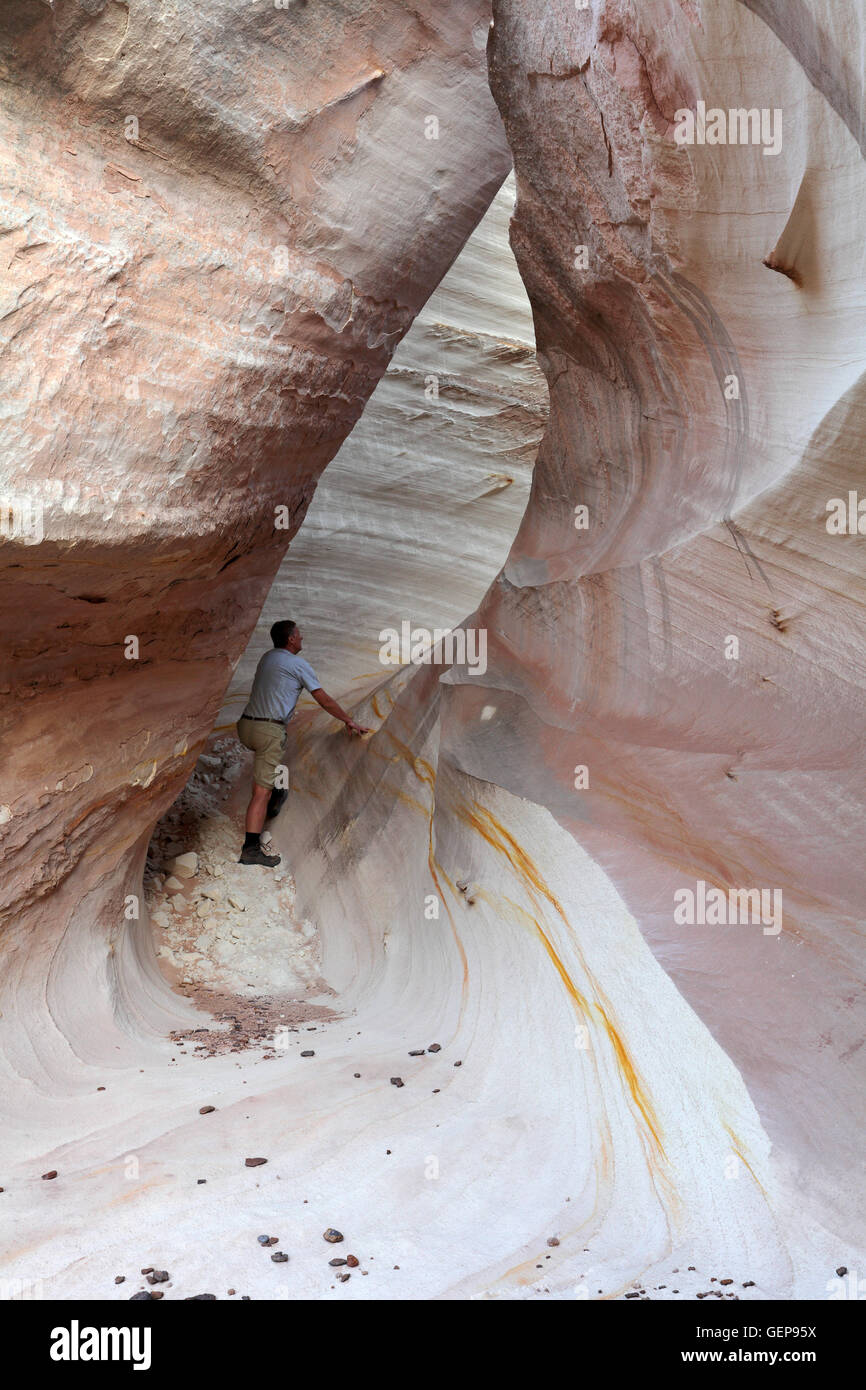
(357,1078)
(138,1297)
(157,1293)
(207,1109)
(628,1295)
(120,1278)
(749,1284)
(308,1054)
(434,1047)
(230,1292)
(200,1181)
(726,1281)
(263,1240)
(343,1277)
(419,1052)
(279,1258)
(332,1237)
(554,1240)
(173,885)
(159,1276)
(202,1297)
(236,902)
(149,1270)
(352,1261)
(185,865)
(46,1177)
(100,1088)
(841,1271)
(254,1162)
(396,1081)
(335,1264)
(458,1064)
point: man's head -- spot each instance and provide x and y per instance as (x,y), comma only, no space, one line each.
(287,634)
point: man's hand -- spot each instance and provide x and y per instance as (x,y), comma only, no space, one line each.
(327,703)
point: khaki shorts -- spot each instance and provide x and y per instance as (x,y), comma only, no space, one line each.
(267,740)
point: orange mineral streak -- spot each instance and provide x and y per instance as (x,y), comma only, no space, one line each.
(486,825)
(737,1148)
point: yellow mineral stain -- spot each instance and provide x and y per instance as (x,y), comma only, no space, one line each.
(737,1147)
(496,835)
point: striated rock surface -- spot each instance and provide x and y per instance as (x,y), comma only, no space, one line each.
(597,1098)
(419,509)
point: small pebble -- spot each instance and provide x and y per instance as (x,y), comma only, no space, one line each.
(553,1240)
(331,1236)
(434,1047)
(336,1264)
(100,1088)
(230,1292)
(357,1078)
(419,1053)
(352,1261)
(254,1162)
(157,1293)
(158,1276)
(149,1270)
(137,1297)
(263,1240)
(726,1281)
(47,1176)
(343,1277)
(308,1054)
(279,1258)
(120,1278)
(841,1271)
(396,1081)
(207,1109)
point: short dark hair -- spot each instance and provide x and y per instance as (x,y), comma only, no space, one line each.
(282,631)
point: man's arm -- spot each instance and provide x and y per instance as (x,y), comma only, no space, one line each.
(337,711)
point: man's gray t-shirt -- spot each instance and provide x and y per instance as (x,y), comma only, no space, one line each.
(280,677)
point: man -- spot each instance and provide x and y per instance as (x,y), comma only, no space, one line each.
(280,677)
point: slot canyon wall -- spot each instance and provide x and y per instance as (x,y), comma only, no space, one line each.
(197,304)
(673,691)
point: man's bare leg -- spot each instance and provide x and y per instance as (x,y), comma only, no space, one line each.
(257,808)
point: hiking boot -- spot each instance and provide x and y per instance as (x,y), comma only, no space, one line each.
(256,855)
(275,803)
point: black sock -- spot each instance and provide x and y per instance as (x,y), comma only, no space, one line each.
(252,839)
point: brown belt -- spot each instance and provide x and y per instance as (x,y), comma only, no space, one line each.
(260,719)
